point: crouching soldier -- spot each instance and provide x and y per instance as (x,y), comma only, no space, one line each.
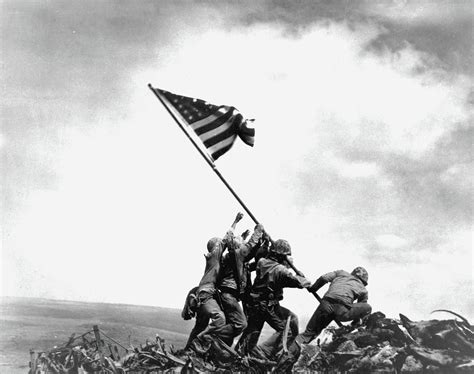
(264,306)
(337,304)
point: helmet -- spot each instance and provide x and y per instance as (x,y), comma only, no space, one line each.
(281,247)
(362,274)
(212,243)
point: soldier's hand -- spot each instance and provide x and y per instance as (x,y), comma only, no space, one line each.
(239,216)
(305,283)
(245,234)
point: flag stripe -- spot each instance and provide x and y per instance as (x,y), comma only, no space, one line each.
(247,135)
(220,148)
(203,122)
(214,124)
(219,153)
(217,127)
(230,131)
(215,132)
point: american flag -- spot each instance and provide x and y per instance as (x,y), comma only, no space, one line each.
(216,126)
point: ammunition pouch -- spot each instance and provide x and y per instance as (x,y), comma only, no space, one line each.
(191,305)
(267,298)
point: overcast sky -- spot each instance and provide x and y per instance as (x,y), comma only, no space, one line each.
(363,152)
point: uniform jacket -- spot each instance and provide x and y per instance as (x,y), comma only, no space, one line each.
(271,278)
(345,288)
(234,260)
(213,265)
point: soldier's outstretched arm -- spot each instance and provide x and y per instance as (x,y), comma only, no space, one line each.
(237,219)
(251,246)
(229,236)
(317,285)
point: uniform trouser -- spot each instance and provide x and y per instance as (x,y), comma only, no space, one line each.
(326,312)
(236,321)
(276,316)
(209,319)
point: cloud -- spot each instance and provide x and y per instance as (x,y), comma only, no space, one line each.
(390,241)
(362,154)
(351,145)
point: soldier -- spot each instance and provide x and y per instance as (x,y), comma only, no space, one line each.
(232,281)
(209,315)
(210,318)
(337,304)
(272,276)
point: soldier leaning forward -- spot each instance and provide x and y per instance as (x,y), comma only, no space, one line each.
(267,291)
(345,300)
(209,315)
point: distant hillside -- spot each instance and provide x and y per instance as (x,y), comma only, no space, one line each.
(40,324)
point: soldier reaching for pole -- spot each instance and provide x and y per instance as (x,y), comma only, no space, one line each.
(337,304)
(216,299)
(232,279)
(264,306)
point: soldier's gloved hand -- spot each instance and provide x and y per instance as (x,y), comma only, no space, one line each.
(239,216)
(245,234)
(303,281)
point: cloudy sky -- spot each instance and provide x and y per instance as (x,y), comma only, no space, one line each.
(363,151)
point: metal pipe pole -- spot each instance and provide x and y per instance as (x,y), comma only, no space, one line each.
(214,168)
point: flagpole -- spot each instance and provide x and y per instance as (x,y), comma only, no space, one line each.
(208,160)
(214,168)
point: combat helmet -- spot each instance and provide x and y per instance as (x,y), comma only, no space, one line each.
(213,242)
(281,247)
(362,274)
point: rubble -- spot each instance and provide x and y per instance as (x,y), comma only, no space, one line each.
(378,345)
(385,345)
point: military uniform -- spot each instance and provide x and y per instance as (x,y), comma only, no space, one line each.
(233,282)
(264,306)
(209,317)
(337,304)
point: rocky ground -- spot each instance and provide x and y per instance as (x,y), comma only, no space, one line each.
(378,345)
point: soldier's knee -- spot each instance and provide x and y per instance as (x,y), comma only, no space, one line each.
(306,337)
(294,325)
(368,309)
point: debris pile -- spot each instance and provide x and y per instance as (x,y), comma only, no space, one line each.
(378,344)
(385,345)
(96,352)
